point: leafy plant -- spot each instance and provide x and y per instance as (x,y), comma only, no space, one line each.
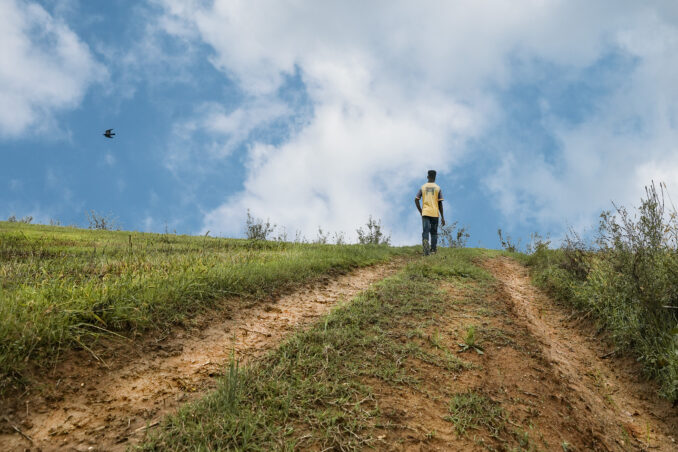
(322,237)
(258,229)
(453,237)
(102,222)
(27,219)
(628,281)
(507,243)
(373,234)
(470,341)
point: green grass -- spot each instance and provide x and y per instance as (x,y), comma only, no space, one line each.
(314,391)
(64,287)
(626,301)
(471,410)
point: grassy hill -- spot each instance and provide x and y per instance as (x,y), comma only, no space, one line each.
(64,287)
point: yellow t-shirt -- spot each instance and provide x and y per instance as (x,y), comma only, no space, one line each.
(430,194)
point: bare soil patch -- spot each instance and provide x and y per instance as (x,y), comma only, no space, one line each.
(107,402)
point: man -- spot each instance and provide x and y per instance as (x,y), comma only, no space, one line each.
(433,207)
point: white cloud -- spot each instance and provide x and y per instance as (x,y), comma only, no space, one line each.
(226,131)
(44,68)
(628,141)
(398,88)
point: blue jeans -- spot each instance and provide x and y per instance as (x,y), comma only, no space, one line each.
(430,225)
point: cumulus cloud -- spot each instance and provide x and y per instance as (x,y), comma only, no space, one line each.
(226,131)
(398,88)
(626,141)
(44,67)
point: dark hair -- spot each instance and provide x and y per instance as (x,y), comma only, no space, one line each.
(431,174)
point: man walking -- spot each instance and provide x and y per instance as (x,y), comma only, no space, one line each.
(433,207)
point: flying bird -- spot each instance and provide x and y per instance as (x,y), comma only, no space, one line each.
(109,133)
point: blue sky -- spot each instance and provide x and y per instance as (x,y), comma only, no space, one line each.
(536,114)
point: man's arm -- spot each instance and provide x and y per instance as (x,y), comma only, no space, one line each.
(440,207)
(416,203)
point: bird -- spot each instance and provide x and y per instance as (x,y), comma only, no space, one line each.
(109,133)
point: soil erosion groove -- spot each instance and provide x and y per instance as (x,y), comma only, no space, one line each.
(622,409)
(89,405)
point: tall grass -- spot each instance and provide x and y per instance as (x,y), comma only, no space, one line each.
(63,287)
(628,280)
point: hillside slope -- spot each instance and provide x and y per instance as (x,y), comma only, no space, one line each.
(456,351)
(443,356)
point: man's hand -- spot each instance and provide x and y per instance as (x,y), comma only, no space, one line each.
(442,221)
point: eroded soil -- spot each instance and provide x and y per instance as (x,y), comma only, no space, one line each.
(545,373)
(621,408)
(108,402)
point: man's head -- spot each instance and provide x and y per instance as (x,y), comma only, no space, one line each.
(431,175)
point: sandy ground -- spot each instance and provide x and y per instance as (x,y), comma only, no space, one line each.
(108,403)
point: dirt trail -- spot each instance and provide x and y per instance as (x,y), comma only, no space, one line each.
(614,404)
(538,367)
(88,405)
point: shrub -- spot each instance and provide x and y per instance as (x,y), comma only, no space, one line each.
(630,282)
(339,238)
(27,219)
(322,237)
(102,222)
(452,237)
(507,243)
(256,229)
(373,234)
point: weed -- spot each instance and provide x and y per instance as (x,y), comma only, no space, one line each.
(322,237)
(470,341)
(257,229)
(373,234)
(507,242)
(628,282)
(102,222)
(452,237)
(471,410)
(26,220)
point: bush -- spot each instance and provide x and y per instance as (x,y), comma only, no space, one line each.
(452,237)
(256,229)
(507,243)
(373,234)
(27,219)
(630,282)
(102,222)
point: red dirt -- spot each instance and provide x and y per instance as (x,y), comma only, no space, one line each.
(621,408)
(87,404)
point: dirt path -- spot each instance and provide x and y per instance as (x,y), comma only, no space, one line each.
(540,372)
(88,405)
(618,408)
